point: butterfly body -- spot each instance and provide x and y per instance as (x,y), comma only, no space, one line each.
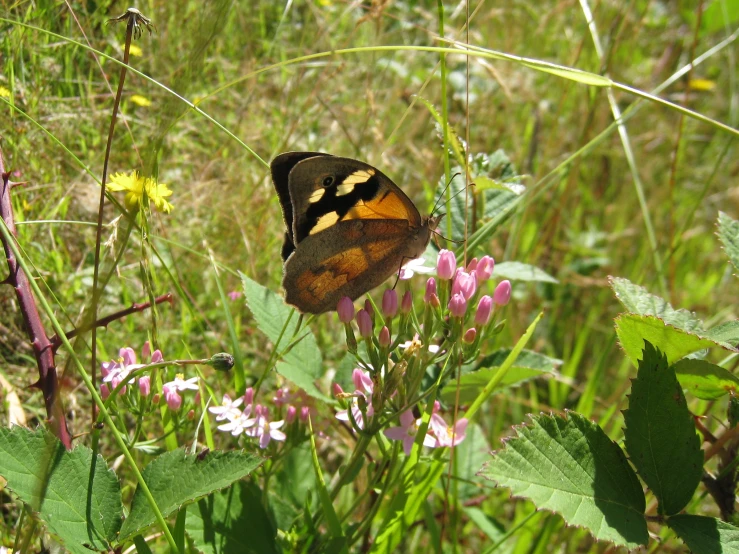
(349,227)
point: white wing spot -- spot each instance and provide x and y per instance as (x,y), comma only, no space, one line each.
(356,178)
(316,195)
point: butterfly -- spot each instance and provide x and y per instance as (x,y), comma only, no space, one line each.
(349,228)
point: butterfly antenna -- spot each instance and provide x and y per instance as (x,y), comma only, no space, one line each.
(438,234)
(460,191)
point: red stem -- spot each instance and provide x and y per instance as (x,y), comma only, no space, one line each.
(42,347)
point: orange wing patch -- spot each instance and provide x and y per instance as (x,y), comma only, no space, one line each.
(386,205)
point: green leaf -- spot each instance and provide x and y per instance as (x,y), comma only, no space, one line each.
(705,380)
(719,16)
(571,467)
(726,332)
(660,434)
(728,234)
(528,365)
(302,363)
(517,271)
(175,478)
(633,330)
(83,515)
(705,535)
(637,300)
(232,521)
(491,203)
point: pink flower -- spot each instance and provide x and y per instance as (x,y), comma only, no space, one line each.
(390,303)
(485,268)
(406,304)
(337,390)
(384,336)
(228,408)
(235,294)
(448,436)
(369,309)
(364,388)
(472,265)
(266,430)
(484,311)
(104,391)
(282,396)
(304,413)
(502,293)
(345,309)
(174,400)
(469,335)
(181,384)
(238,423)
(446,264)
(362,381)
(364,322)
(430,290)
(457,305)
(249,396)
(145,385)
(290,415)
(407,431)
(464,284)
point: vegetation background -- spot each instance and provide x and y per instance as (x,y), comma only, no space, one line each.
(580,224)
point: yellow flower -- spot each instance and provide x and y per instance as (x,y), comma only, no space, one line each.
(136,187)
(140,100)
(135,50)
(5,93)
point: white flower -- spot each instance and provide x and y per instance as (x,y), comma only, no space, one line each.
(229,409)
(413,267)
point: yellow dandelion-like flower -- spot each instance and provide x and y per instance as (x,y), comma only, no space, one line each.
(140,100)
(135,50)
(5,93)
(136,187)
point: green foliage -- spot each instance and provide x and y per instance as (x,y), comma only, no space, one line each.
(517,271)
(571,467)
(705,535)
(705,380)
(728,233)
(660,434)
(74,492)
(216,524)
(176,478)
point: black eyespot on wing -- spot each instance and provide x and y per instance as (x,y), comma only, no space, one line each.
(330,202)
(328,181)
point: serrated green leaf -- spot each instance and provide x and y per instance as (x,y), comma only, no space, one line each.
(490,203)
(232,521)
(637,300)
(728,234)
(726,332)
(660,434)
(175,479)
(633,330)
(302,364)
(705,535)
(571,467)
(704,379)
(56,484)
(517,271)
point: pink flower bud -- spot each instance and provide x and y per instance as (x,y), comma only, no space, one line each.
(364,322)
(390,303)
(406,304)
(434,301)
(464,284)
(249,396)
(191,415)
(469,335)
(484,310)
(457,305)
(502,293)
(156,356)
(362,381)
(472,265)
(446,264)
(485,268)
(304,413)
(291,413)
(104,391)
(146,351)
(128,355)
(430,289)
(145,385)
(384,337)
(174,400)
(345,309)
(369,309)
(437,407)
(337,390)
(156,399)
(196,400)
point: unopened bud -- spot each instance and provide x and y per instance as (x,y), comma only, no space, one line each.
(221,361)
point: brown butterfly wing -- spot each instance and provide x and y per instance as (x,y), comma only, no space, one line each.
(280,168)
(326,191)
(349,258)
